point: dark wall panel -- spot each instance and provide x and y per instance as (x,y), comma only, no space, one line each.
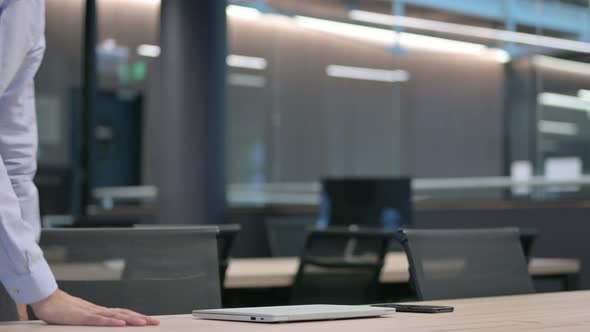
(455,103)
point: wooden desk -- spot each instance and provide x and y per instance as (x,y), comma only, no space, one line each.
(566,311)
(280,272)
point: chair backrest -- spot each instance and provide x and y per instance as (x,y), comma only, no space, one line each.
(367,202)
(340,266)
(527,239)
(8,311)
(462,263)
(151,270)
(226,237)
(287,235)
(70,221)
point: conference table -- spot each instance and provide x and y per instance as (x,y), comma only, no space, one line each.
(563,311)
(280,272)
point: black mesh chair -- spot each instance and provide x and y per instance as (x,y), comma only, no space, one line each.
(226,237)
(154,271)
(287,235)
(8,311)
(527,239)
(340,266)
(463,263)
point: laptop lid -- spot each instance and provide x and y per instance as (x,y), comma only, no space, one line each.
(292,313)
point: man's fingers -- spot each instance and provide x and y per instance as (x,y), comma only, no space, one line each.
(152,321)
(149,320)
(22,312)
(100,320)
(134,320)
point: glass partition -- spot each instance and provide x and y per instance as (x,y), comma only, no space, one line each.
(475,100)
(480,103)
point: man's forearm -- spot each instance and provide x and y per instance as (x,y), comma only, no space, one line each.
(25,273)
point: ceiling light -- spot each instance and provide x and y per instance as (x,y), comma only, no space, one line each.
(584,95)
(155,2)
(347,30)
(108,44)
(570,66)
(109,49)
(245,80)
(558,128)
(151,51)
(248,62)
(453,46)
(563,101)
(367,74)
(470,31)
(243,12)
(391,38)
(500,55)
(421,41)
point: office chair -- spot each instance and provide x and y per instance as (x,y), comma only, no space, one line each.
(527,239)
(70,221)
(226,236)
(340,266)
(8,311)
(367,202)
(287,235)
(155,271)
(462,263)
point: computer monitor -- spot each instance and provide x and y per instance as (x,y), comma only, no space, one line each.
(366,202)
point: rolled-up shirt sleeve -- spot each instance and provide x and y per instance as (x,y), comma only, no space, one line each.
(24,271)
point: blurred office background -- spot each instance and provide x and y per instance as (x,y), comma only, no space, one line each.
(483,103)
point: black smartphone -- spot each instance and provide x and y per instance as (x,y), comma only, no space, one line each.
(427,309)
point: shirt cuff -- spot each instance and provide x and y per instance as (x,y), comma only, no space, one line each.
(32,287)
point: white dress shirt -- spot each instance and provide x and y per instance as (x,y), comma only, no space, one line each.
(23,269)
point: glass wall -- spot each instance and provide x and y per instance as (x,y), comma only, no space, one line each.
(60,73)
(125,52)
(461,97)
(475,102)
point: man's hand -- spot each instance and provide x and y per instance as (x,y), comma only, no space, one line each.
(22,312)
(61,308)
